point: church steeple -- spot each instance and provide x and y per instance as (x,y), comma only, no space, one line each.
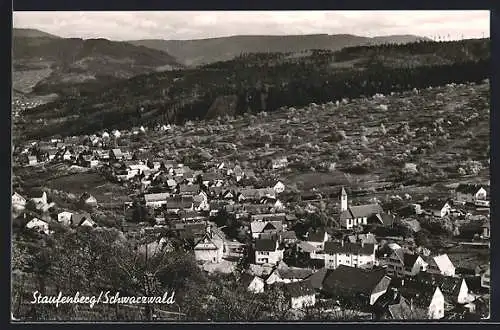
(343,200)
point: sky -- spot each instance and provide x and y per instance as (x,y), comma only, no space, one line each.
(182,25)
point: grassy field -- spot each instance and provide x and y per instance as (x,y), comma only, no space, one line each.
(103,191)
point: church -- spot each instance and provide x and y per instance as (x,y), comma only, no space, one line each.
(355,216)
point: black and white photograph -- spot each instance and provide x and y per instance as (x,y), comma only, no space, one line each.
(250,166)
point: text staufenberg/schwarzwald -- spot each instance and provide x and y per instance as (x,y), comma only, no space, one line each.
(105,297)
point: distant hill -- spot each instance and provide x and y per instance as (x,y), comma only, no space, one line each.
(205,51)
(32,33)
(260,82)
(44,64)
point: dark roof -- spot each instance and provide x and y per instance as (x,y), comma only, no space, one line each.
(401,310)
(449,285)
(361,211)
(433,204)
(281,218)
(265,245)
(353,279)
(179,202)
(299,289)
(468,188)
(317,278)
(353,248)
(78,218)
(318,236)
(409,259)
(294,273)
(246,279)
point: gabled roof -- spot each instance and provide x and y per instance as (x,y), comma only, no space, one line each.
(189,188)
(351,248)
(294,273)
(257,226)
(361,211)
(117,152)
(418,292)
(401,310)
(383,218)
(211,244)
(365,238)
(433,204)
(265,245)
(307,247)
(78,218)
(443,262)
(318,236)
(409,259)
(156,197)
(317,278)
(299,289)
(449,285)
(246,279)
(179,202)
(353,279)
(274,218)
(470,189)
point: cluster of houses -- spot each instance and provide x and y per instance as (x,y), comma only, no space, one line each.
(42,206)
(359,269)
(388,280)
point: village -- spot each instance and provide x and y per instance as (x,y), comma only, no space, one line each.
(327,240)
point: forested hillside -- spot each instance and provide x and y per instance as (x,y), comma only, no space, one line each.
(262,82)
(206,51)
(45,64)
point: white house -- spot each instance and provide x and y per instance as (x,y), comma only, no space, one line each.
(436,208)
(210,248)
(402,263)
(67,155)
(156,200)
(201,202)
(441,264)
(279,163)
(39,225)
(268,251)
(470,193)
(349,254)
(317,239)
(301,294)
(252,283)
(260,227)
(65,217)
(18,201)
(32,160)
(287,275)
(88,222)
(426,298)
(485,278)
(435,310)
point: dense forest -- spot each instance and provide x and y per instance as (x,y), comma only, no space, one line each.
(263,82)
